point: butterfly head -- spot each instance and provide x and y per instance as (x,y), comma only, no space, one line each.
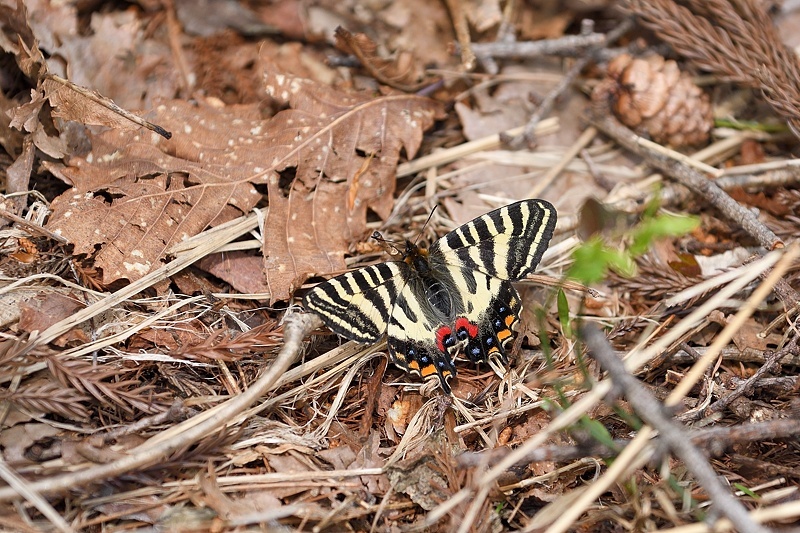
(417,258)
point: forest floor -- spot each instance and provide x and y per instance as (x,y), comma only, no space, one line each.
(179,174)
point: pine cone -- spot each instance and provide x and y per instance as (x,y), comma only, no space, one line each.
(653,97)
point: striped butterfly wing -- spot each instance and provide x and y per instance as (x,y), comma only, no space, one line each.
(411,336)
(506,243)
(358,305)
(364,304)
(482,257)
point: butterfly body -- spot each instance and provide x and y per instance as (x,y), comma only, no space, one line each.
(455,297)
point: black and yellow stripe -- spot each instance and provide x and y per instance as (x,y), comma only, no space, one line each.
(506,243)
(358,305)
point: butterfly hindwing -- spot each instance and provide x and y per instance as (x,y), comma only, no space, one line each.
(412,344)
(357,305)
(496,323)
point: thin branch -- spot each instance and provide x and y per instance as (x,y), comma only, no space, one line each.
(672,433)
(693,179)
(546,106)
(707,438)
(20,487)
(528,49)
(747,385)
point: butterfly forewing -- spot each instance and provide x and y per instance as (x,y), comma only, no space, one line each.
(357,305)
(456,298)
(507,243)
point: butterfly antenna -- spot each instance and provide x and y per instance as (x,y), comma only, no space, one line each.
(425,224)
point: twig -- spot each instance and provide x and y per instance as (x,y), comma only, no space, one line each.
(677,193)
(461,26)
(572,414)
(546,105)
(747,385)
(176,412)
(20,487)
(174,31)
(672,433)
(689,177)
(455,153)
(529,49)
(28,225)
(708,438)
(544,182)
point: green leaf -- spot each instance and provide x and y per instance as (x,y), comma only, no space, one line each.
(664,225)
(746,490)
(563,313)
(598,432)
(593,259)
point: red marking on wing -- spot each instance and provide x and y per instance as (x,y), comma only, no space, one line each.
(441,334)
(472,329)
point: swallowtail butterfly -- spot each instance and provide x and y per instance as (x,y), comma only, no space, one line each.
(455,297)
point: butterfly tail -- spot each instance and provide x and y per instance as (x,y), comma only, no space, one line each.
(424,360)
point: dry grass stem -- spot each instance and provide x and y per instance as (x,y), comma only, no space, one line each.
(449,155)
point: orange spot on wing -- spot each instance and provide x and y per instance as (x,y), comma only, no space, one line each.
(428,371)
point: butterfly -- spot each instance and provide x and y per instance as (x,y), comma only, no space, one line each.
(454,297)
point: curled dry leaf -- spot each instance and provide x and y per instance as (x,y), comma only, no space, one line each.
(69,104)
(399,73)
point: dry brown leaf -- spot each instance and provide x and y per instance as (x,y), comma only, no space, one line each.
(71,105)
(254,502)
(115,43)
(148,509)
(242,270)
(399,72)
(133,197)
(750,336)
(422,28)
(343,149)
(46,309)
(19,173)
